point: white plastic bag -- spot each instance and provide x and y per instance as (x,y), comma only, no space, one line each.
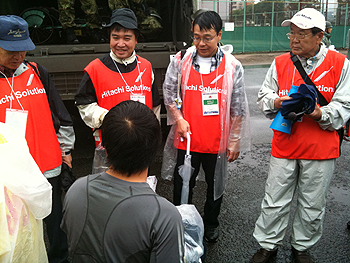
(21,175)
(152,182)
(193,233)
(25,198)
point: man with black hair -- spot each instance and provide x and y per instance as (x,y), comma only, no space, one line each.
(327,34)
(30,102)
(115,216)
(214,111)
(303,161)
(118,76)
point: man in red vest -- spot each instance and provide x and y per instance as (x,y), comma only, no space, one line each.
(210,83)
(30,102)
(303,161)
(118,76)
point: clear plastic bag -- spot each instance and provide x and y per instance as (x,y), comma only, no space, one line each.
(152,182)
(99,163)
(193,233)
(22,237)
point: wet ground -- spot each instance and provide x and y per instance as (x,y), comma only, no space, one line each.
(245,189)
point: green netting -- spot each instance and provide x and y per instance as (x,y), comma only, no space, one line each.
(258,39)
(258,26)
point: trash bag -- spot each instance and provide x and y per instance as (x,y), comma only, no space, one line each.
(25,199)
(22,237)
(99,163)
(21,175)
(152,182)
(193,233)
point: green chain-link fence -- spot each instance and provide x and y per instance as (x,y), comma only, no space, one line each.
(257,27)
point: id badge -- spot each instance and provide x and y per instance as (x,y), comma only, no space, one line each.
(210,103)
(17,119)
(138,97)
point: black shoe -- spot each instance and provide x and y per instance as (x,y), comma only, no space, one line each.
(301,256)
(348,225)
(211,234)
(263,255)
(70,36)
(96,36)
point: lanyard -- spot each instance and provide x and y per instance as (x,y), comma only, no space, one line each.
(12,91)
(139,78)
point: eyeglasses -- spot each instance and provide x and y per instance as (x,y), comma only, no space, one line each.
(205,40)
(297,36)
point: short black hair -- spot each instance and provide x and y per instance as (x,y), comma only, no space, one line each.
(131,135)
(208,20)
(119,27)
(315,31)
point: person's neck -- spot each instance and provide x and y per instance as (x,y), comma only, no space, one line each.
(124,61)
(140,177)
(7,71)
(312,54)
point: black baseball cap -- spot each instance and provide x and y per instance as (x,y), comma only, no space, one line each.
(124,17)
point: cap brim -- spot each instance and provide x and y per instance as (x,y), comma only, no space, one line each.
(21,45)
(127,25)
(286,22)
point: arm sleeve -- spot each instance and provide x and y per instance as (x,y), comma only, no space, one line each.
(156,104)
(337,112)
(268,93)
(74,211)
(155,93)
(86,101)
(170,90)
(239,111)
(169,243)
(65,133)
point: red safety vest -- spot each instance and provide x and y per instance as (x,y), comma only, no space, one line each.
(40,133)
(110,87)
(307,140)
(206,132)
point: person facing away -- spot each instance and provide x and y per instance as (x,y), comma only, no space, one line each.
(31,103)
(117,76)
(115,216)
(214,112)
(302,162)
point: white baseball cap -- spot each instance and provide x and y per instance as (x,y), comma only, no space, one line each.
(306,19)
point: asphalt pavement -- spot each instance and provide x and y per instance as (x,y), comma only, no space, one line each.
(245,186)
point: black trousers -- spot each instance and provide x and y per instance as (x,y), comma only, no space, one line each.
(208,161)
(58,250)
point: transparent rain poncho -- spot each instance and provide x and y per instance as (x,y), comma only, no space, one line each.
(234,114)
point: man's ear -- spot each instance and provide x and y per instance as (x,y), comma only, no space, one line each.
(319,37)
(220,34)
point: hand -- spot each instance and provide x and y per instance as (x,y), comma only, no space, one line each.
(231,155)
(316,114)
(278,101)
(67,159)
(182,128)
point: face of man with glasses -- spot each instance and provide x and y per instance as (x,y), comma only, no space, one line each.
(206,41)
(302,42)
